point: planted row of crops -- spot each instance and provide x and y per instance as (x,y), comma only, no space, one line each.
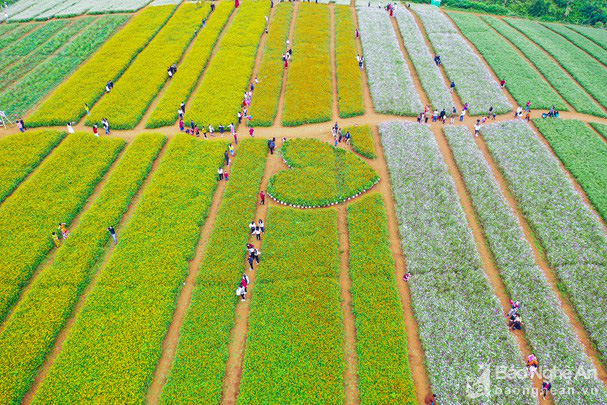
(581,41)
(309,91)
(547,328)
(599,36)
(383,363)
(190,70)
(29,333)
(459,316)
(14,34)
(474,83)
(220,95)
(34,86)
(202,353)
(429,74)
(295,322)
(119,333)
(590,73)
(583,153)
(320,175)
(21,154)
(349,75)
(572,238)
(390,82)
(362,140)
(565,85)
(87,85)
(54,193)
(522,80)
(125,105)
(267,91)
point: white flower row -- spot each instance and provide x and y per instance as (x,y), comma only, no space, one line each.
(547,328)
(429,74)
(460,320)
(36,9)
(474,83)
(573,239)
(392,87)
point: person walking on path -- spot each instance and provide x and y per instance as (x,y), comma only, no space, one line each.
(271,145)
(180,112)
(251,130)
(220,173)
(461,116)
(242,292)
(226,175)
(502,83)
(231,147)
(430,399)
(63,229)
(252,227)
(181,125)
(546,386)
(262,197)
(56,240)
(477,128)
(20,126)
(239,115)
(244,282)
(106,126)
(96,130)
(226,156)
(257,233)
(452,86)
(113,233)
(70,129)
(182,107)
(87,109)
(262,226)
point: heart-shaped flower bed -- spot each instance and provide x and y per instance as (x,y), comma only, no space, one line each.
(320,175)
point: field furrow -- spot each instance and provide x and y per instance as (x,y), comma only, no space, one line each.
(30,331)
(7,41)
(599,36)
(134,297)
(581,41)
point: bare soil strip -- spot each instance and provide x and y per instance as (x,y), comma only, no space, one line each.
(543,264)
(415,348)
(72,226)
(351,371)
(486,256)
(62,336)
(285,75)
(335,108)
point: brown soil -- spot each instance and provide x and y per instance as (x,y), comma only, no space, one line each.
(109,250)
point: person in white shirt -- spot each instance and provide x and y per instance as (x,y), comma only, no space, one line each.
(477,128)
(70,129)
(242,292)
(252,227)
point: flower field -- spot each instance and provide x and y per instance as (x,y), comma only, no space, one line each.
(547,328)
(598,36)
(201,356)
(390,82)
(362,140)
(449,289)
(21,154)
(522,81)
(267,92)
(583,153)
(571,237)
(66,103)
(567,87)
(429,74)
(27,10)
(590,73)
(227,78)
(581,41)
(137,87)
(308,96)
(473,82)
(320,175)
(139,284)
(349,76)
(297,289)
(34,86)
(383,364)
(55,193)
(181,85)
(37,319)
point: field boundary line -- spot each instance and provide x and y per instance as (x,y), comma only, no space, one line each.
(601,136)
(368,100)
(98,269)
(332,54)
(285,75)
(545,25)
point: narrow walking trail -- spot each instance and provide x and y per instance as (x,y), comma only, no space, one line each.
(352,394)
(62,336)
(334,108)
(285,74)
(369,107)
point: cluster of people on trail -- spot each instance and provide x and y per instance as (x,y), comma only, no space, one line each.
(339,135)
(104,122)
(222,173)
(21,125)
(172,70)
(390,8)
(553,113)
(287,56)
(257,229)
(360,59)
(437,60)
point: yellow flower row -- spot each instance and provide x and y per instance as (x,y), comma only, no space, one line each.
(227,77)
(31,329)
(381,338)
(125,105)
(362,140)
(267,92)
(54,193)
(309,93)
(349,75)
(200,360)
(87,85)
(294,350)
(116,341)
(191,68)
(21,154)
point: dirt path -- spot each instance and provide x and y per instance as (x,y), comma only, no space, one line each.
(71,226)
(109,250)
(369,108)
(414,346)
(238,334)
(285,75)
(543,264)
(418,84)
(335,107)
(481,243)
(351,371)
(171,339)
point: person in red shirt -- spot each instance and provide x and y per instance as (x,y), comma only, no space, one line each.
(502,83)
(430,399)
(262,196)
